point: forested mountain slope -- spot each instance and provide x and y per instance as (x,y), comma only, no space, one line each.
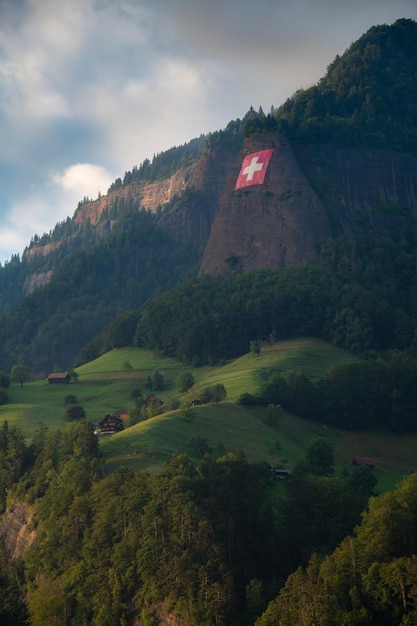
(369,579)
(343,164)
(201,544)
(197,544)
(344,161)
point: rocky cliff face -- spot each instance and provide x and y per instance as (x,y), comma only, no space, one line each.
(45,250)
(310,193)
(367,193)
(34,281)
(190,217)
(273,225)
(307,197)
(143,195)
(14,530)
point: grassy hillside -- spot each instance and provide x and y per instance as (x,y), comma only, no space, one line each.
(105,385)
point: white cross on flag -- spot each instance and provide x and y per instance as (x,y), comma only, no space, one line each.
(253,169)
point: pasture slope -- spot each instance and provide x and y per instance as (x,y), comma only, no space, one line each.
(105,385)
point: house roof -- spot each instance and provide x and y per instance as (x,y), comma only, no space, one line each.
(58,375)
(363,460)
(120,413)
(151,399)
(111,418)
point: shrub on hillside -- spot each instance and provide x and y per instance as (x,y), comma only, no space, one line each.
(3,397)
(74,412)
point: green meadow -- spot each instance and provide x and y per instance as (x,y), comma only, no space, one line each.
(105,385)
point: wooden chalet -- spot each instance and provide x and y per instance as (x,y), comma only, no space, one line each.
(109,424)
(59,378)
(152,400)
(278,473)
(358,461)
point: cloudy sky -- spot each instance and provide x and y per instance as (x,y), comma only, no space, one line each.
(89,88)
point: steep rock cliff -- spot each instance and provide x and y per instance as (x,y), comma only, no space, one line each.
(368,193)
(34,281)
(142,194)
(276,224)
(41,250)
(14,530)
(309,195)
(187,201)
(190,216)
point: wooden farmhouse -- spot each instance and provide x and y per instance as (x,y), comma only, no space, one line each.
(109,424)
(59,378)
(152,400)
(278,473)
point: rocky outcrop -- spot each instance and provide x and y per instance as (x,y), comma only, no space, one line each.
(190,216)
(15,530)
(317,193)
(143,194)
(160,617)
(367,193)
(36,251)
(188,198)
(34,281)
(276,224)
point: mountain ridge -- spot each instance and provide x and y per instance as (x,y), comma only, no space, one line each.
(357,105)
(344,166)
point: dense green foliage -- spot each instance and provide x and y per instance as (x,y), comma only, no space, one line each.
(369,309)
(207,543)
(376,392)
(184,381)
(14,459)
(12,277)
(211,543)
(368,96)
(369,579)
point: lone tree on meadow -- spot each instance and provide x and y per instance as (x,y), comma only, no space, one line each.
(255,347)
(155,382)
(216,394)
(19,374)
(74,412)
(70,399)
(320,457)
(184,382)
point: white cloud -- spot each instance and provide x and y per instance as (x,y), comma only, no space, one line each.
(81,180)
(12,241)
(147,116)
(25,219)
(38,47)
(44,206)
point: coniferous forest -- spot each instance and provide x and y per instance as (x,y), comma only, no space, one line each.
(210,543)
(214,543)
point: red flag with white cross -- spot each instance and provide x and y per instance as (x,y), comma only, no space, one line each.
(254,168)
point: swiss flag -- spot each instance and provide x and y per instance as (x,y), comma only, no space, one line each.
(254,168)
